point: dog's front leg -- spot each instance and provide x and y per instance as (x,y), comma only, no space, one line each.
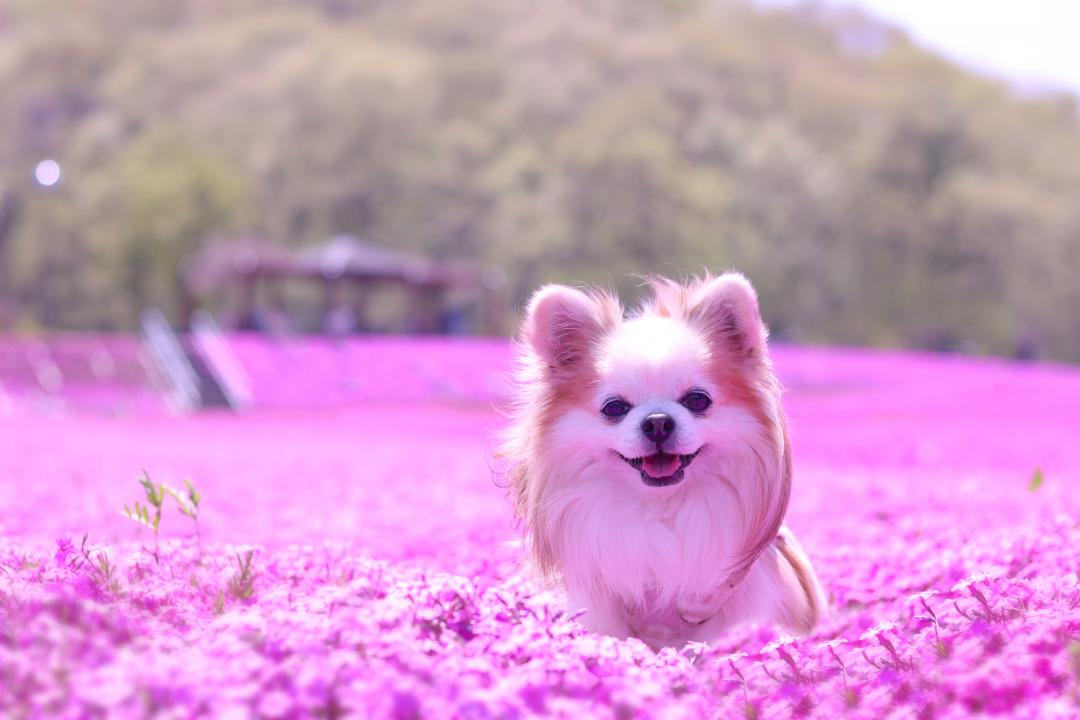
(603,614)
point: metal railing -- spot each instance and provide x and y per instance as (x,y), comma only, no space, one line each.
(172,361)
(217,357)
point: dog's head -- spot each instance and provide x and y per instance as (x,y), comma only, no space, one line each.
(648,394)
(678,394)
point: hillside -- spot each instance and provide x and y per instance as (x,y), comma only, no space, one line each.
(875,193)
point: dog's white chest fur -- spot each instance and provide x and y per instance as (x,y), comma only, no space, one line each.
(664,563)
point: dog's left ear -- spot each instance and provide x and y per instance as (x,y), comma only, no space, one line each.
(727,309)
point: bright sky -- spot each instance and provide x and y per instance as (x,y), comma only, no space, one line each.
(1034,43)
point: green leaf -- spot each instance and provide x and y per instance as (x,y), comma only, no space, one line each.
(1036,480)
(138,515)
(186,508)
(193,494)
(155,493)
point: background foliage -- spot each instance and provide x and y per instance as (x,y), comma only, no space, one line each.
(873,192)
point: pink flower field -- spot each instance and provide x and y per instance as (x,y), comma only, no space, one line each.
(356,555)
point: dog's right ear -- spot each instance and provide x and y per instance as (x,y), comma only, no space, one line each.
(562,324)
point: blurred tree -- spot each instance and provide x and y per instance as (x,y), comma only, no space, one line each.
(874,192)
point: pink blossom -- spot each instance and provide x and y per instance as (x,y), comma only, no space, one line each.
(387,577)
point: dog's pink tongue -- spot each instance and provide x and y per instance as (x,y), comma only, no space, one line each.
(661,464)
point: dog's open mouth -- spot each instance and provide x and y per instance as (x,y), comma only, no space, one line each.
(661,469)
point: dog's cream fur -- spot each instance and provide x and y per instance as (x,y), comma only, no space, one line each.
(666,564)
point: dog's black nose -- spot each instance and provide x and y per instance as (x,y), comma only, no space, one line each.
(658,427)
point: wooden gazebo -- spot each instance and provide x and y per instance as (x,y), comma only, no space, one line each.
(442,297)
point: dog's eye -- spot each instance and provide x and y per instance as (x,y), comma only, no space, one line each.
(696,401)
(615,409)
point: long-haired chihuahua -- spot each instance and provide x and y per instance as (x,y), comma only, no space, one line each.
(650,465)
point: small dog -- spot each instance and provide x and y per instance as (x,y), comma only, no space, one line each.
(650,464)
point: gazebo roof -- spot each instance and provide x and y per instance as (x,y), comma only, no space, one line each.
(340,257)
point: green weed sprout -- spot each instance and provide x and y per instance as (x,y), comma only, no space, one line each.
(189,505)
(188,502)
(102,566)
(155,497)
(242,584)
